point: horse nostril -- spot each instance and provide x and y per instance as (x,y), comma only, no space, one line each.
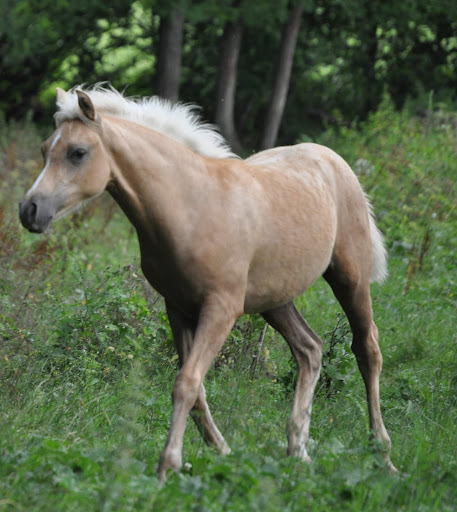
(32,211)
(28,213)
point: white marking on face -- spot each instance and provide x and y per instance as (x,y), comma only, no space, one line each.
(55,141)
(43,172)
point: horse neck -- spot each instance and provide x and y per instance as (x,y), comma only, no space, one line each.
(154,178)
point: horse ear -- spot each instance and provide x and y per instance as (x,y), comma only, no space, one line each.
(60,95)
(86,105)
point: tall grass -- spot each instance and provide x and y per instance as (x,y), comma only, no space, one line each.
(87,361)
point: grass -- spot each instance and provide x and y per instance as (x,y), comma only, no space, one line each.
(87,362)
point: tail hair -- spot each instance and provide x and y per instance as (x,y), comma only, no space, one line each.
(379,270)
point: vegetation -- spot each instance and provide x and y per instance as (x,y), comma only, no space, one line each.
(87,363)
(235,58)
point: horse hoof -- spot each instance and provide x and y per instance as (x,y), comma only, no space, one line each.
(225,449)
(167,463)
(391,468)
(300,453)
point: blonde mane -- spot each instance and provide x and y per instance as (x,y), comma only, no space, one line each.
(179,121)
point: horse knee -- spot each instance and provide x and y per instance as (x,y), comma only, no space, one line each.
(186,388)
(308,353)
(315,358)
(314,355)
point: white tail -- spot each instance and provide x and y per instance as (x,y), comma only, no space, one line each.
(379,270)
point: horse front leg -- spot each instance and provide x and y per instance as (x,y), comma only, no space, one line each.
(216,318)
(183,329)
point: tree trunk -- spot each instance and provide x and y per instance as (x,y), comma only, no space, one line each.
(168,69)
(282,79)
(226,83)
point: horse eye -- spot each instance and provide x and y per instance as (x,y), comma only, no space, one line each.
(77,154)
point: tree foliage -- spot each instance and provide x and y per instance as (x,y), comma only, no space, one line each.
(36,37)
(347,55)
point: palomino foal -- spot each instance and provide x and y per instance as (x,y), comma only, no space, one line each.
(220,237)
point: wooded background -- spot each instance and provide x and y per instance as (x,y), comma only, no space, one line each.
(265,71)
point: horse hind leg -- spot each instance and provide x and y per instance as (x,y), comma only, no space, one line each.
(351,287)
(306,348)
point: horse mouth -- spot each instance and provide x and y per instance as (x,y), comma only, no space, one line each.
(37,229)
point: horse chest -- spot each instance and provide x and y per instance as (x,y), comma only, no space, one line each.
(170,280)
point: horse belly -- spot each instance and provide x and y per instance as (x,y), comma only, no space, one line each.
(287,270)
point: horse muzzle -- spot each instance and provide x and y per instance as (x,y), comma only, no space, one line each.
(36,213)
